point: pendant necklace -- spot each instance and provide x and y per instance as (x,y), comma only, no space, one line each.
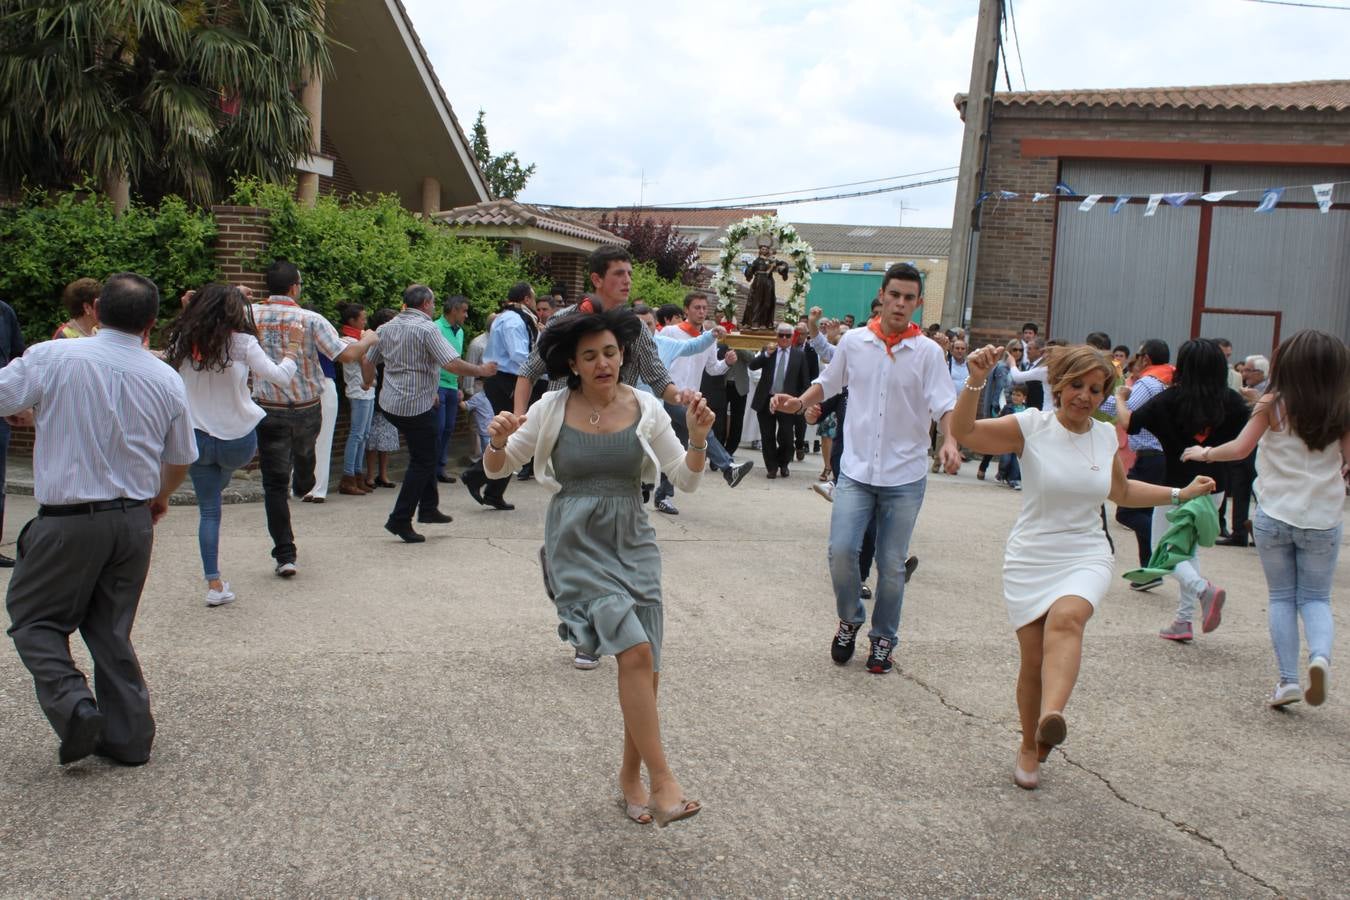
(1091,448)
(595,412)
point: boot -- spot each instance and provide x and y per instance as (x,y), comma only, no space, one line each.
(348,485)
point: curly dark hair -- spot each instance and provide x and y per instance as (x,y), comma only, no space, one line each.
(201,333)
(558,343)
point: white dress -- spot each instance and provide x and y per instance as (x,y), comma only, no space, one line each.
(1058,546)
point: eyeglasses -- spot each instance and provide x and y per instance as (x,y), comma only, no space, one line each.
(784,337)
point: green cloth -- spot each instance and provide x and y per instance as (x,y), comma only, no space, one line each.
(455,335)
(1195,522)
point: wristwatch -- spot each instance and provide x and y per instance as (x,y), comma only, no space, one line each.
(1176,496)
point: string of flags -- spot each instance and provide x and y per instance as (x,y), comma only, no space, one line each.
(1270,197)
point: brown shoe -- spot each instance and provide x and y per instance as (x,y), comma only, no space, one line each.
(349,485)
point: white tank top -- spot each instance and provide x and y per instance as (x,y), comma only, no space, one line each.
(1299,487)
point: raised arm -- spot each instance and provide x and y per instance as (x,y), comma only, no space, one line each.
(1001,435)
(1139,494)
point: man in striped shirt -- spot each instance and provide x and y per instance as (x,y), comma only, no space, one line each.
(287,435)
(611,273)
(114,440)
(414,352)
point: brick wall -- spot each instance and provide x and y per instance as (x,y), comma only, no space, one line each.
(342,182)
(570,269)
(241,236)
(1015,265)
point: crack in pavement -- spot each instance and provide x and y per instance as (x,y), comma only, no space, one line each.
(489,542)
(1183,827)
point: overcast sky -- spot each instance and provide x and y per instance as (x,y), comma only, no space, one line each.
(705,100)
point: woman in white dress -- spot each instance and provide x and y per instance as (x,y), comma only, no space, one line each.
(1058,562)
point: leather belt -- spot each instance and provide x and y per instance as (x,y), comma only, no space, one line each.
(88,509)
(306,405)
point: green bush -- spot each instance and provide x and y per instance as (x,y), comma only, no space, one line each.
(368,249)
(653,290)
(48,241)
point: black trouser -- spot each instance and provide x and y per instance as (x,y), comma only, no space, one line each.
(735,421)
(799,430)
(1241,476)
(85,572)
(775,438)
(1148,466)
(500,390)
(418,492)
(286,445)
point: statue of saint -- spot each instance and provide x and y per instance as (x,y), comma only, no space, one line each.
(761,308)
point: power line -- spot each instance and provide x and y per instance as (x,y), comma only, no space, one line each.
(1017,44)
(824,187)
(1304,5)
(1002,45)
(791,201)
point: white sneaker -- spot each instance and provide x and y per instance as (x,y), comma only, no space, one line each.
(1285,694)
(287,569)
(1318,669)
(218,597)
(585,661)
(824,489)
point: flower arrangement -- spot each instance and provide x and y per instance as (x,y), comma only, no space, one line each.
(785,237)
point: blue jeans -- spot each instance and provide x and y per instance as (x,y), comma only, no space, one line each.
(354,456)
(717,455)
(1299,565)
(216,461)
(480,413)
(895,509)
(446,414)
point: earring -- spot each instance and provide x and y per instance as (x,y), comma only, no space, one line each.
(575,372)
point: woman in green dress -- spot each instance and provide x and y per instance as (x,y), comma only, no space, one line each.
(595,443)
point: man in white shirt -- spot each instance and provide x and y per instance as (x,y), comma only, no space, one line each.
(114,439)
(897,382)
(687,373)
(1034,374)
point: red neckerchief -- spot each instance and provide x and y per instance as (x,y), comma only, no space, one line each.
(586,306)
(890,340)
(1163,373)
(691,329)
(281,301)
(349,331)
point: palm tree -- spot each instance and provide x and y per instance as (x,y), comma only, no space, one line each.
(170,96)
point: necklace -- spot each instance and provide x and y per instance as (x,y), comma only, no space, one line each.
(595,411)
(1091,449)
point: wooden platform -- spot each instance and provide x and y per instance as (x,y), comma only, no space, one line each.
(751,340)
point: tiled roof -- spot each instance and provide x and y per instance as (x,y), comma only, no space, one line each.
(1322,96)
(510,213)
(892,241)
(680,216)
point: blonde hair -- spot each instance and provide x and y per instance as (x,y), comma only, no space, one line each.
(1067,364)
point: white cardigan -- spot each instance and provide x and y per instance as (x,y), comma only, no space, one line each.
(544,419)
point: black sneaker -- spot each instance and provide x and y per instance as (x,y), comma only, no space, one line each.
(866,592)
(844,643)
(879,660)
(910,565)
(736,474)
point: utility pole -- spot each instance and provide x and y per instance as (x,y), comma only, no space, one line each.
(960,286)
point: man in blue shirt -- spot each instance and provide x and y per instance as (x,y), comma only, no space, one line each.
(509,344)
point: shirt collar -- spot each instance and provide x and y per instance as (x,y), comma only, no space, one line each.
(118,337)
(906,342)
(281,300)
(410,309)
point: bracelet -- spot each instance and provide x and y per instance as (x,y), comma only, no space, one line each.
(1176,496)
(492,446)
(699,449)
(976,388)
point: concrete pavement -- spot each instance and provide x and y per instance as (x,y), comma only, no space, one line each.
(402,720)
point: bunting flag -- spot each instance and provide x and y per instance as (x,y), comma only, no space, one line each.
(1323,194)
(1270,199)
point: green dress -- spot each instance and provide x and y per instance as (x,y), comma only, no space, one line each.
(604,565)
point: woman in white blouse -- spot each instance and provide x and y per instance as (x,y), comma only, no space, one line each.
(214,346)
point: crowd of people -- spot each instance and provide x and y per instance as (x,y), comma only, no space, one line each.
(611,405)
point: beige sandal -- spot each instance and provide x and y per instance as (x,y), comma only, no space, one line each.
(638,812)
(683,810)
